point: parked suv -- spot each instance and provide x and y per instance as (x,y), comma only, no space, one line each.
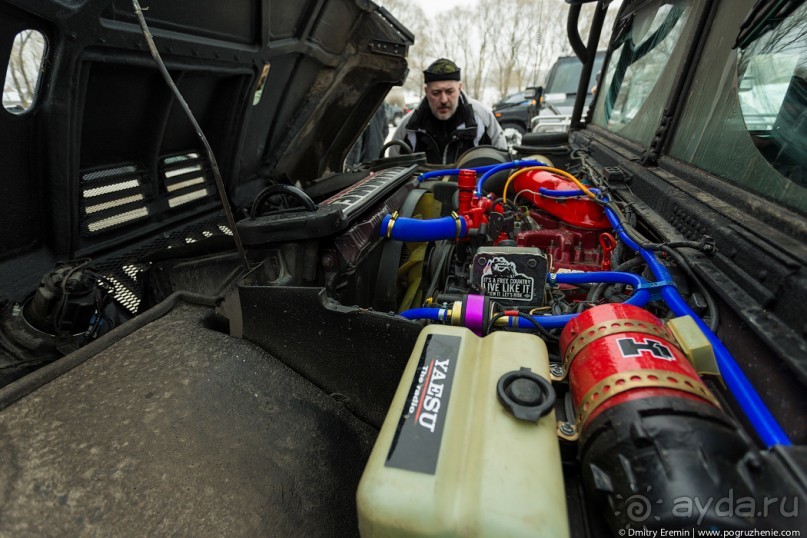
(560,91)
(548,106)
(514,113)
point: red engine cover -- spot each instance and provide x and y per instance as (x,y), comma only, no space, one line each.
(620,353)
(570,248)
(579,212)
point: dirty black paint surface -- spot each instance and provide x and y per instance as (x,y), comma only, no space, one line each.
(180,430)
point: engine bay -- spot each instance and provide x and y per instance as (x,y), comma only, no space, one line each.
(572,338)
(343,287)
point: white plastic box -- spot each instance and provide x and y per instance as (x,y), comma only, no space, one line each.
(450,460)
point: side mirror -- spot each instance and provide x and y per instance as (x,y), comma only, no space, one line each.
(534,92)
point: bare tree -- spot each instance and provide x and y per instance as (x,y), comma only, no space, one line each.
(503,44)
(412,16)
(508,42)
(554,42)
(485,11)
(533,36)
(587,17)
(24,65)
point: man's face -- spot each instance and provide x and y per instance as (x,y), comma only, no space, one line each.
(443,96)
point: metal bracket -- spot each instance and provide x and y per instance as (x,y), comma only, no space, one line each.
(388,48)
(655,288)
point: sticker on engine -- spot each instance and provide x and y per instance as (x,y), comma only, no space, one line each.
(630,347)
(501,280)
(417,440)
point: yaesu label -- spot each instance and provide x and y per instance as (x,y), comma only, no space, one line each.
(417,440)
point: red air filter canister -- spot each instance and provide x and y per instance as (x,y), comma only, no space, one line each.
(617,353)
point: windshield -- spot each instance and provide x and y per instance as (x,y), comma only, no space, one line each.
(772,86)
(648,48)
(746,123)
(566,75)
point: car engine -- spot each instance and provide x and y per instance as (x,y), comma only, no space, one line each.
(506,249)
(519,292)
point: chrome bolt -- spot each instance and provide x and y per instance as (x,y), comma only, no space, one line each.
(566,428)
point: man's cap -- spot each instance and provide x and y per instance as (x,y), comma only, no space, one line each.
(442,69)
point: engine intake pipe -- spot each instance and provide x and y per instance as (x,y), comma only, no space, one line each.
(408,229)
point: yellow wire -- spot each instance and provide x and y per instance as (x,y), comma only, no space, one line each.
(563,173)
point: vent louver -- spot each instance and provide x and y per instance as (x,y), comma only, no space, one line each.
(111,198)
(186,178)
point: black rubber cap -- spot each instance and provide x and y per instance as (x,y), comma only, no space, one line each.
(526,395)
(525,392)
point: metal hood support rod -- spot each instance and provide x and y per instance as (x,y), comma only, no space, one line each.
(588,54)
(213,163)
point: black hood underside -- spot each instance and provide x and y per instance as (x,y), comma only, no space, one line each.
(281,89)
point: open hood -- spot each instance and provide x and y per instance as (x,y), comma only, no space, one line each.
(609,341)
(104,153)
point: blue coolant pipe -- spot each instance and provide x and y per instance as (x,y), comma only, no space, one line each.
(547,322)
(504,166)
(752,405)
(453,172)
(598,277)
(747,397)
(565,193)
(433,314)
(406,229)
(640,296)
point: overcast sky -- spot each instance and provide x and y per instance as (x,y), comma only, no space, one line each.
(435,7)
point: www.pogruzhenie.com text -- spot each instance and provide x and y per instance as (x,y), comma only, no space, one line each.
(697,533)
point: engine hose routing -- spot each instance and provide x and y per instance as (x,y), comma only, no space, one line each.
(522,321)
(504,166)
(588,192)
(640,297)
(565,193)
(559,321)
(596,291)
(453,172)
(766,426)
(409,229)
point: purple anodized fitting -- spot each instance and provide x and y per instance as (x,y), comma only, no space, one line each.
(475,314)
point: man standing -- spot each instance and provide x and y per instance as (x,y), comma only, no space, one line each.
(447,122)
